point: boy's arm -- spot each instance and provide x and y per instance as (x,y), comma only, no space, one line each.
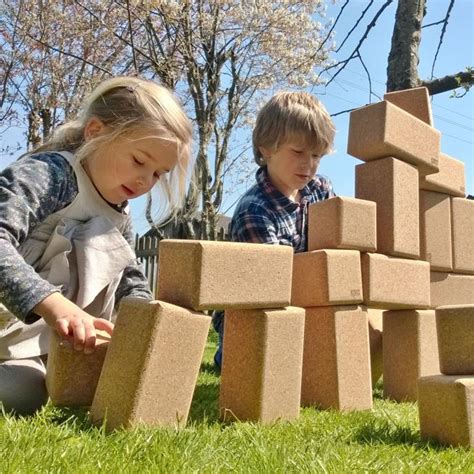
(254,226)
(30,189)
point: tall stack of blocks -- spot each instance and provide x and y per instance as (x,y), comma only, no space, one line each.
(327,282)
(446,402)
(401,149)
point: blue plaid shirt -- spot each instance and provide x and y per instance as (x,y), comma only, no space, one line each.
(264,215)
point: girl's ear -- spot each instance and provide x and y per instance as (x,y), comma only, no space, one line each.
(94,127)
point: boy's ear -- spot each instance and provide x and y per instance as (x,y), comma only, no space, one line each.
(264,151)
(94,127)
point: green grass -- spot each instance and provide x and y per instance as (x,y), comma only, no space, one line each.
(383,440)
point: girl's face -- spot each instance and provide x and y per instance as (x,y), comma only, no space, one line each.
(130,165)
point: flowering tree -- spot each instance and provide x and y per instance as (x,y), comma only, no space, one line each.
(220,56)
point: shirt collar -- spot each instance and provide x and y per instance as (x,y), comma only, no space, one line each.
(280,200)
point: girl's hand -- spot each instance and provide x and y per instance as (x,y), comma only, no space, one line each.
(71,322)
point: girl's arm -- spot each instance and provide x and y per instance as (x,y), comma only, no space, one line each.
(30,189)
(134,282)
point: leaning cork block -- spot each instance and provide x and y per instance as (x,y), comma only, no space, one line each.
(450,178)
(342,223)
(72,376)
(326,277)
(336,361)
(262,364)
(446,409)
(383,129)
(451,288)
(415,101)
(410,350)
(151,367)
(224,275)
(435,230)
(375,319)
(395,283)
(393,185)
(456,339)
(462,211)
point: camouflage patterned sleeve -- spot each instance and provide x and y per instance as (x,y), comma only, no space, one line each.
(31,188)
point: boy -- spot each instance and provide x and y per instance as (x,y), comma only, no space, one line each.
(292,133)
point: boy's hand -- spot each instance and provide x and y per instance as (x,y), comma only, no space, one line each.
(71,322)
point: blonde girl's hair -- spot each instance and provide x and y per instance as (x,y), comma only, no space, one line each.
(126,106)
(297,116)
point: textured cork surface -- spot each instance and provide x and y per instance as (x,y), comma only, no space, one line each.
(415,101)
(446,409)
(451,288)
(222,275)
(393,185)
(450,179)
(375,318)
(72,376)
(410,350)
(395,283)
(336,361)
(435,230)
(342,223)
(262,364)
(456,339)
(152,365)
(326,277)
(383,129)
(462,212)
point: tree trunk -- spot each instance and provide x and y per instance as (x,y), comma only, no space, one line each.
(402,69)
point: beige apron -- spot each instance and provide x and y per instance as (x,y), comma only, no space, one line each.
(81,250)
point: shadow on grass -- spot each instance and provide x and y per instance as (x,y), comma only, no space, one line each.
(384,432)
(205,405)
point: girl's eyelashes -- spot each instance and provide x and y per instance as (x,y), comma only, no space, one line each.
(138,162)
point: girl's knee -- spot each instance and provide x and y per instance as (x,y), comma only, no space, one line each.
(22,386)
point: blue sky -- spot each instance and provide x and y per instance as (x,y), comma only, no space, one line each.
(454,118)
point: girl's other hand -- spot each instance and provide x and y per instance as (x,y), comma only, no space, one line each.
(71,322)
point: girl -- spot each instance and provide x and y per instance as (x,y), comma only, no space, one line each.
(66,257)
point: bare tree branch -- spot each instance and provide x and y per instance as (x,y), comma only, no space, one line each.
(443,31)
(448,83)
(355,26)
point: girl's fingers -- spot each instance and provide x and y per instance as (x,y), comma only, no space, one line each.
(79,333)
(62,327)
(90,338)
(103,325)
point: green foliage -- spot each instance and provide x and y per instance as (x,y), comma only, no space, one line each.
(383,440)
(464,85)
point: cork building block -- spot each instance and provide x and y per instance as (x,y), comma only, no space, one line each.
(393,185)
(72,376)
(336,361)
(383,129)
(395,283)
(451,288)
(410,350)
(342,223)
(446,408)
(415,101)
(224,275)
(462,211)
(152,365)
(262,364)
(456,339)
(326,277)
(450,178)
(435,230)
(375,318)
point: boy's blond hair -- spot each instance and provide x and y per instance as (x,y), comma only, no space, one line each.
(127,106)
(295,116)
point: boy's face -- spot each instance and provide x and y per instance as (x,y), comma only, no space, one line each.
(130,166)
(291,167)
